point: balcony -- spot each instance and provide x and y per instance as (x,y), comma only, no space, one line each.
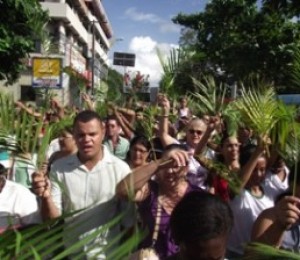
(61,11)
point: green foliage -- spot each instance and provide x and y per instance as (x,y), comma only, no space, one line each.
(21,24)
(42,242)
(209,96)
(115,85)
(150,117)
(265,252)
(176,78)
(258,110)
(221,170)
(20,132)
(241,39)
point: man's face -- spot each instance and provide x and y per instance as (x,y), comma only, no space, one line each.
(139,116)
(112,128)
(88,137)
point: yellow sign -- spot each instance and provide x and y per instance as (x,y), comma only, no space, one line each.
(46,72)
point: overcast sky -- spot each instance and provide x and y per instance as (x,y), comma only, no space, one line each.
(140,26)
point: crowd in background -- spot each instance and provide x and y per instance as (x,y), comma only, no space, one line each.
(165,182)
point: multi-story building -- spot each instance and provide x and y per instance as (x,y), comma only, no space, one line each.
(80,35)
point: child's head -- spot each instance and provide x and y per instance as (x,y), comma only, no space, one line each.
(200,225)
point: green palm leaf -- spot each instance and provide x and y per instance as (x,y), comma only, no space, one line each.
(265,252)
(40,242)
(259,110)
(209,96)
(222,171)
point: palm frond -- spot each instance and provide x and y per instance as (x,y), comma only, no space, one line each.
(231,118)
(286,132)
(221,170)
(266,252)
(209,96)
(42,242)
(259,110)
(150,116)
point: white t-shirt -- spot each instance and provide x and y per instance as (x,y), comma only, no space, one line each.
(18,206)
(245,208)
(74,187)
(274,185)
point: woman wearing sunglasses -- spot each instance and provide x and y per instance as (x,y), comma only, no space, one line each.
(194,132)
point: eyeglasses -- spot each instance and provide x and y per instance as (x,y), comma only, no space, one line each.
(198,132)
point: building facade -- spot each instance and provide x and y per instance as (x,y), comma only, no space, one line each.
(79,37)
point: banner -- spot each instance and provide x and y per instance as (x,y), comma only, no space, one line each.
(47,72)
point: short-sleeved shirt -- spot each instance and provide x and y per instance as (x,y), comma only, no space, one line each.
(120,150)
(74,187)
(246,208)
(19,207)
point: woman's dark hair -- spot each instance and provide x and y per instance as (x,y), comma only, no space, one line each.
(200,216)
(141,139)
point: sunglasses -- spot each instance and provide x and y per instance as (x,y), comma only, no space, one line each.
(198,132)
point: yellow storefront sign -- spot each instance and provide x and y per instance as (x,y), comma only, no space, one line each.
(46,72)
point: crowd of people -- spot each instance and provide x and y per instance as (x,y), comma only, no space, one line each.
(103,167)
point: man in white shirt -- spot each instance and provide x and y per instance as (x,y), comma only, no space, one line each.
(19,207)
(84,181)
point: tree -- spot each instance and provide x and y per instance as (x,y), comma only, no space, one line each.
(115,85)
(241,39)
(21,25)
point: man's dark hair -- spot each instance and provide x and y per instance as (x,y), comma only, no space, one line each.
(112,117)
(200,216)
(86,116)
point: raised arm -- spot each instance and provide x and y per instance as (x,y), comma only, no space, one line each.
(271,224)
(163,131)
(139,177)
(88,101)
(129,113)
(127,129)
(59,109)
(28,110)
(212,125)
(247,170)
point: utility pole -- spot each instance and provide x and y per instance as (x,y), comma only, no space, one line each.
(93,58)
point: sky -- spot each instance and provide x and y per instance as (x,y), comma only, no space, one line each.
(141,26)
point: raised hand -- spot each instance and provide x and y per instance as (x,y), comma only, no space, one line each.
(41,184)
(287,211)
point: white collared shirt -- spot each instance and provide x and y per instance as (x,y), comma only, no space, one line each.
(74,187)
